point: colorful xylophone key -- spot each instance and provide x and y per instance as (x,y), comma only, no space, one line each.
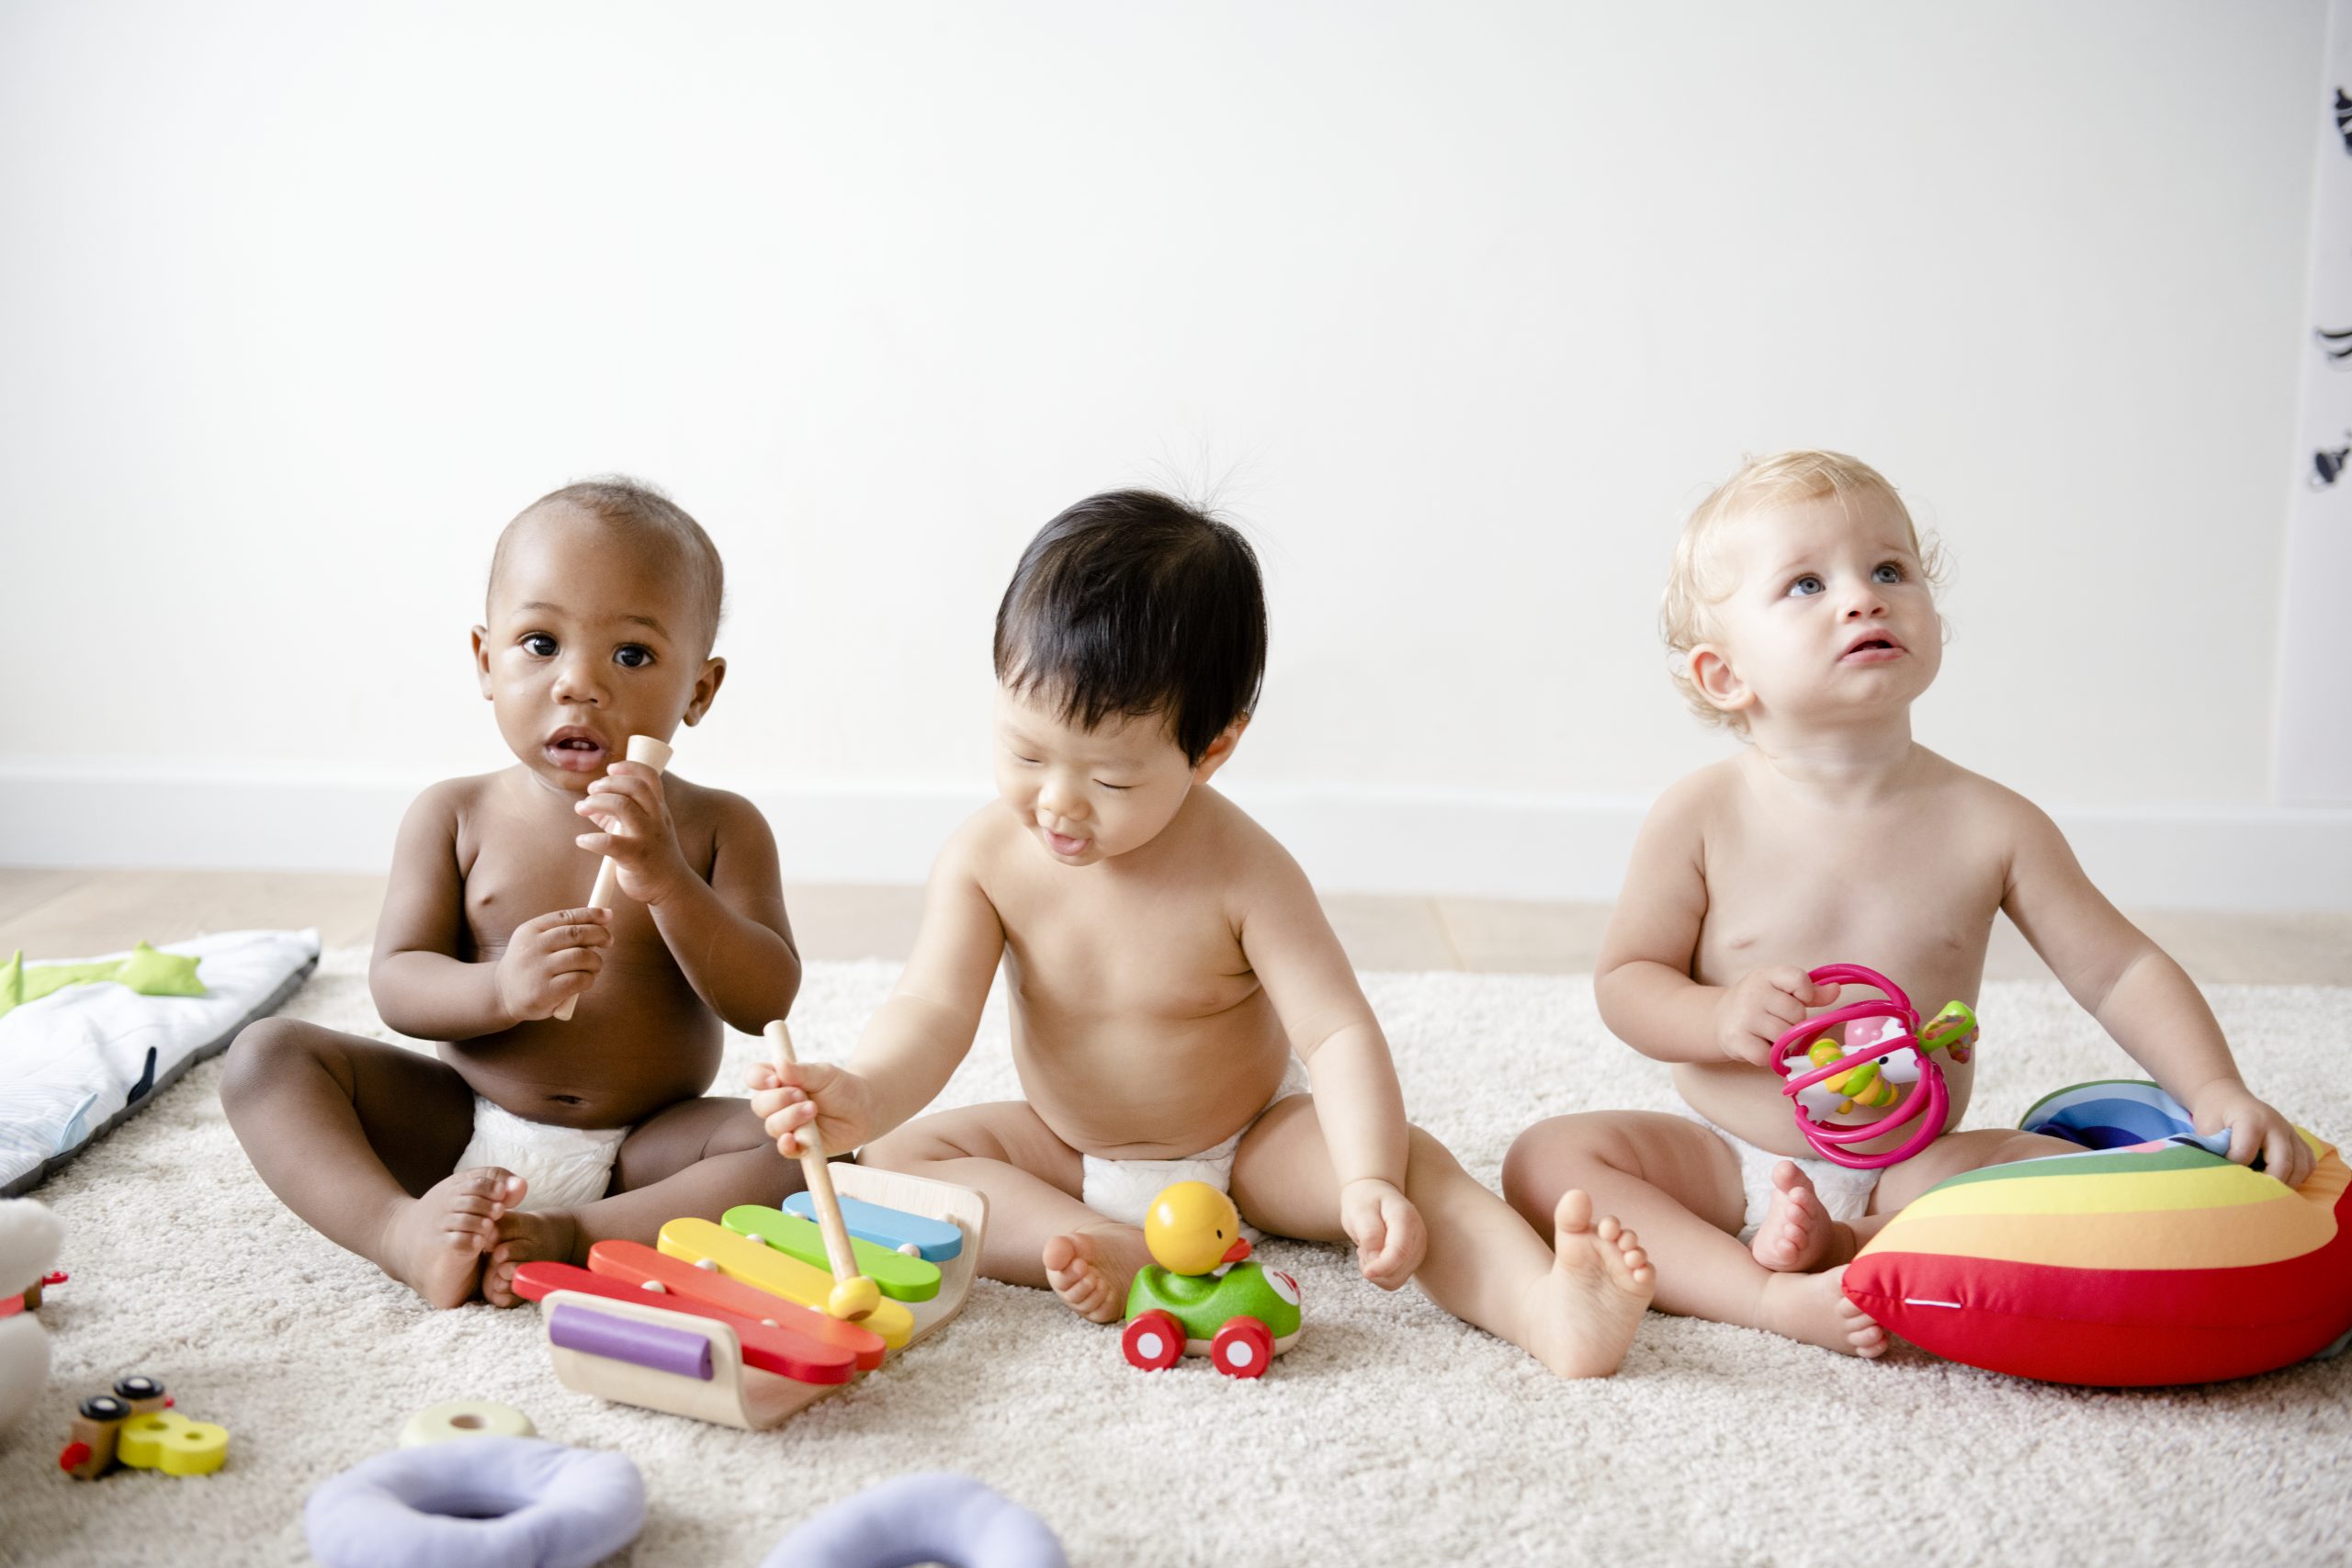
(771,1347)
(634,1263)
(890,1229)
(742,1258)
(896,1275)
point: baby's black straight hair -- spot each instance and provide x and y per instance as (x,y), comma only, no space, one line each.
(1133,603)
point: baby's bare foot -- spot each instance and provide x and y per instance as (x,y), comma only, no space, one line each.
(1091,1268)
(1814,1308)
(524,1237)
(1798,1235)
(434,1244)
(1582,1314)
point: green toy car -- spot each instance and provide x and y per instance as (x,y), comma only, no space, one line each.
(1240,1318)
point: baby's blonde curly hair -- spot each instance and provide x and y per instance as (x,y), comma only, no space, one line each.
(1696,585)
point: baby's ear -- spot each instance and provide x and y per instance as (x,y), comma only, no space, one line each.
(1711,671)
(481,658)
(1220,750)
(707,684)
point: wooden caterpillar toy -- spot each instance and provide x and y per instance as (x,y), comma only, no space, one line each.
(134,1425)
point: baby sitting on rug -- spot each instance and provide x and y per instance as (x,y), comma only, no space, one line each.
(1801,614)
(1164,960)
(531,1137)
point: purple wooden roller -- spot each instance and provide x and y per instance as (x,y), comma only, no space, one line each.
(651,1345)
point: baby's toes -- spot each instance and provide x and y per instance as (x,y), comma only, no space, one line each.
(1862,1331)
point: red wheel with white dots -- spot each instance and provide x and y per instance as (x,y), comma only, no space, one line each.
(1244,1348)
(1153,1341)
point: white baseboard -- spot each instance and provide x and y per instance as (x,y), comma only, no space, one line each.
(1350,838)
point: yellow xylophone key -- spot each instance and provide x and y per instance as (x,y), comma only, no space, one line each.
(896,1275)
(740,1258)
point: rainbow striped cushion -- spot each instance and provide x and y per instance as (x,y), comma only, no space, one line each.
(2147,1259)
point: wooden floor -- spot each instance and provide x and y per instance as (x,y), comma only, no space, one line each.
(75,914)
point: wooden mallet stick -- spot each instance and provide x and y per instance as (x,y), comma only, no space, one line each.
(853,1296)
(654,754)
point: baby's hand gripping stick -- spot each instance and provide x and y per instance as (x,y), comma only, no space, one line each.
(654,754)
(854,1296)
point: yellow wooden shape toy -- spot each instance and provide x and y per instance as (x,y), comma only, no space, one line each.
(169,1442)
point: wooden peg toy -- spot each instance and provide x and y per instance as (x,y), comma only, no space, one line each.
(145,1395)
(90,1441)
(134,1425)
(654,754)
(853,1296)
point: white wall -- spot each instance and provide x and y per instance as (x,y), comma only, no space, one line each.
(2314,733)
(1461,305)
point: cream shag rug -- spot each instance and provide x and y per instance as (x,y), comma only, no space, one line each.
(1392,1433)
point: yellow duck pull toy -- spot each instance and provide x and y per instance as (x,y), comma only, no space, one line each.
(1201,1296)
(1192,1228)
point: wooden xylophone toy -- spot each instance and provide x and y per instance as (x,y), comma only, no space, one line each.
(729,1323)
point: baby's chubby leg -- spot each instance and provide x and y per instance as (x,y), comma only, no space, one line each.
(1573,1305)
(1040,1233)
(358,1138)
(698,1158)
(1680,1185)
(1798,1235)
(1948,1156)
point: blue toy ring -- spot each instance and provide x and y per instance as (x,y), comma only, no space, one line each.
(933,1517)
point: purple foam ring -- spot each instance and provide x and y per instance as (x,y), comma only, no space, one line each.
(677,1350)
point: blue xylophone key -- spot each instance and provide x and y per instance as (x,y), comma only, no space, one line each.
(933,1239)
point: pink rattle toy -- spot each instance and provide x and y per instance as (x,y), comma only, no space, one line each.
(1857,1071)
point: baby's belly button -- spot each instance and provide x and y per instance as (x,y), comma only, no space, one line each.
(564,1107)
(575,1112)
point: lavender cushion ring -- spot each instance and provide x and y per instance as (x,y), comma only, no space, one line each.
(477,1502)
(934,1518)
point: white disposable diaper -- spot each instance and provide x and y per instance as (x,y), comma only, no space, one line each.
(1845,1194)
(1123,1189)
(561,1167)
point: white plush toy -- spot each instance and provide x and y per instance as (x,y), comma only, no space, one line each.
(29,1238)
